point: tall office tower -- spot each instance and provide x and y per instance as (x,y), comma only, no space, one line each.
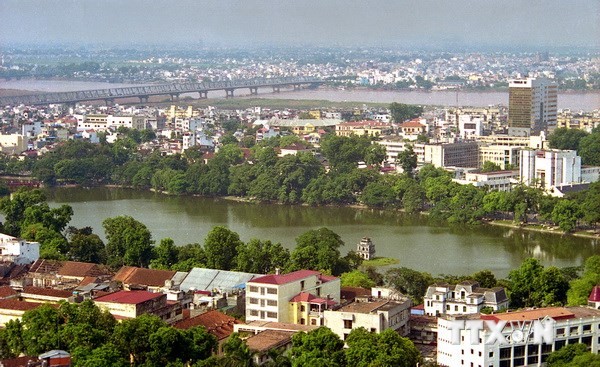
(531,106)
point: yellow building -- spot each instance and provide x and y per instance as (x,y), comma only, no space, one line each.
(307,309)
(175,112)
(370,128)
(586,121)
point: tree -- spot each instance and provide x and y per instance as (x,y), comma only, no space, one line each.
(489,166)
(385,349)
(551,287)
(485,278)
(106,355)
(85,246)
(236,353)
(129,242)
(378,194)
(319,347)
(565,138)
(261,257)
(375,155)
(579,289)
(357,278)
(413,198)
(132,337)
(573,355)
(566,213)
(532,285)
(410,282)
(165,254)
(589,148)
(591,203)
(401,112)
(407,160)
(14,208)
(221,248)
(319,250)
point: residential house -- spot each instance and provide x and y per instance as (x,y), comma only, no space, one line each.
(131,304)
(143,279)
(463,298)
(215,322)
(65,274)
(260,344)
(17,250)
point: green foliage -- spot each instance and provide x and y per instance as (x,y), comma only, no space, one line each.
(14,208)
(410,282)
(573,355)
(580,289)
(589,149)
(566,213)
(165,254)
(319,250)
(407,160)
(533,285)
(221,248)
(591,203)
(85,246)
(401,112)
(565,138)
(319,347)
(489,166)
(385,349)
(261,257)
(343,153)
(356,278)
(129,242)
(378,194)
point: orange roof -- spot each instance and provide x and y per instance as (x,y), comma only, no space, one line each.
(269,339)
(412,123)
(556,313)
(14,304)
(149,277)
(6,291)
(47,292)
(215,322)
(81,269)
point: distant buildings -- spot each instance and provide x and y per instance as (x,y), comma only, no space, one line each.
(532,106)
(17,250)
(462,299)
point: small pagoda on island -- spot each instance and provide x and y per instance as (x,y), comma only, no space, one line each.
(366,249)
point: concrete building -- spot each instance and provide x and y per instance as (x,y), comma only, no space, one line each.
(272,297)
(469,127)
(18,250)
(498,180)
(532,106)
(369,128)
(365,248)
(463,155)
(131,304)
(568,325)
(13,143)
(533,142)
(374,315)
(504,156)
(462,299)
(549,168)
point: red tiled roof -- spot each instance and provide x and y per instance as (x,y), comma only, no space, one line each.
(595,295)
(268,339)
(307,297)
(17,362)
(6,291)
(215,322)
(412,123)
(149,277)
(47,292)
(285,278)
(129,297)
(14,304)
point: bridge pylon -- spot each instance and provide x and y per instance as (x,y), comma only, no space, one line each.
(229,92)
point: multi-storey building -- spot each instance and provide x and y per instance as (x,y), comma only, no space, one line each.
(464,298)
(499,180)
(469,341)
(531,106)
(370,128)
(297,297)
(464,155)
(504,156)
(17,250)
(549,168)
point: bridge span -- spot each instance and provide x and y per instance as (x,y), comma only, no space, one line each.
(172,90)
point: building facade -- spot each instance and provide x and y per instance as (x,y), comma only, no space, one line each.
(462,299)
(549,168)
(532,106)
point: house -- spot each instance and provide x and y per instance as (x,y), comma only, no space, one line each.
(464,298)
(412,129)
(373,315)
(47,295)
(131,304)
(273,297)
(140,278)
(368,128)
(215,322)
(13,309)
(17,250)
(65,274)
(293,149)
(260,344)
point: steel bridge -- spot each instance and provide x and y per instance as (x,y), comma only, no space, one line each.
(172,90)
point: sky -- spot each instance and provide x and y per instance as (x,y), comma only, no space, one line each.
(427,23)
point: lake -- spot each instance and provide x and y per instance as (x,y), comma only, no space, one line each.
(415,240)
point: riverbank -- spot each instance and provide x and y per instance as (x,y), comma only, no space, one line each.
(544,228)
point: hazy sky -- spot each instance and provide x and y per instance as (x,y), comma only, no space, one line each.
(520,23)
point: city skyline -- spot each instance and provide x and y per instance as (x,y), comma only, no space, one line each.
(424,24)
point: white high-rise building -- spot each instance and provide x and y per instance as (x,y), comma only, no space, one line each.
(532,106)
(549,168)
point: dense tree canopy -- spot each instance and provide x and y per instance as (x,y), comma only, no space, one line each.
(129,242)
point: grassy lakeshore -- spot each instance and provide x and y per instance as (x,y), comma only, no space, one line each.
(380,261)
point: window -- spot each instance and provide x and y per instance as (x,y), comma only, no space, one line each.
(253,313)
(302,308)
(271,302)
(253,288)
(347,324)
(253,301)
(271,290)
(313,321)
(464,308)
(573,330)
(455,307)
(560,331)
(272,315)
(302,321)
(587,327)
(302,285)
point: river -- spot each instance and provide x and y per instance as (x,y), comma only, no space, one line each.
(586,101)
(414,240)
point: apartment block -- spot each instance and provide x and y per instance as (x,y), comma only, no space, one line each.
(532,106)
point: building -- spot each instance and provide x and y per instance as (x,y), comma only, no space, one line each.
(65,274)
(375,315)
(532,106)
(365,249)
(17,250)
(141,278)
(215,322)
(463,155)
(503,156)
(13,143)
(469,127)
(363,128)
(497,180)
(462,299)
(594,299)
(273,297)
(517,346)
(13,309)
(549,168)
(260,344)
(131,304)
